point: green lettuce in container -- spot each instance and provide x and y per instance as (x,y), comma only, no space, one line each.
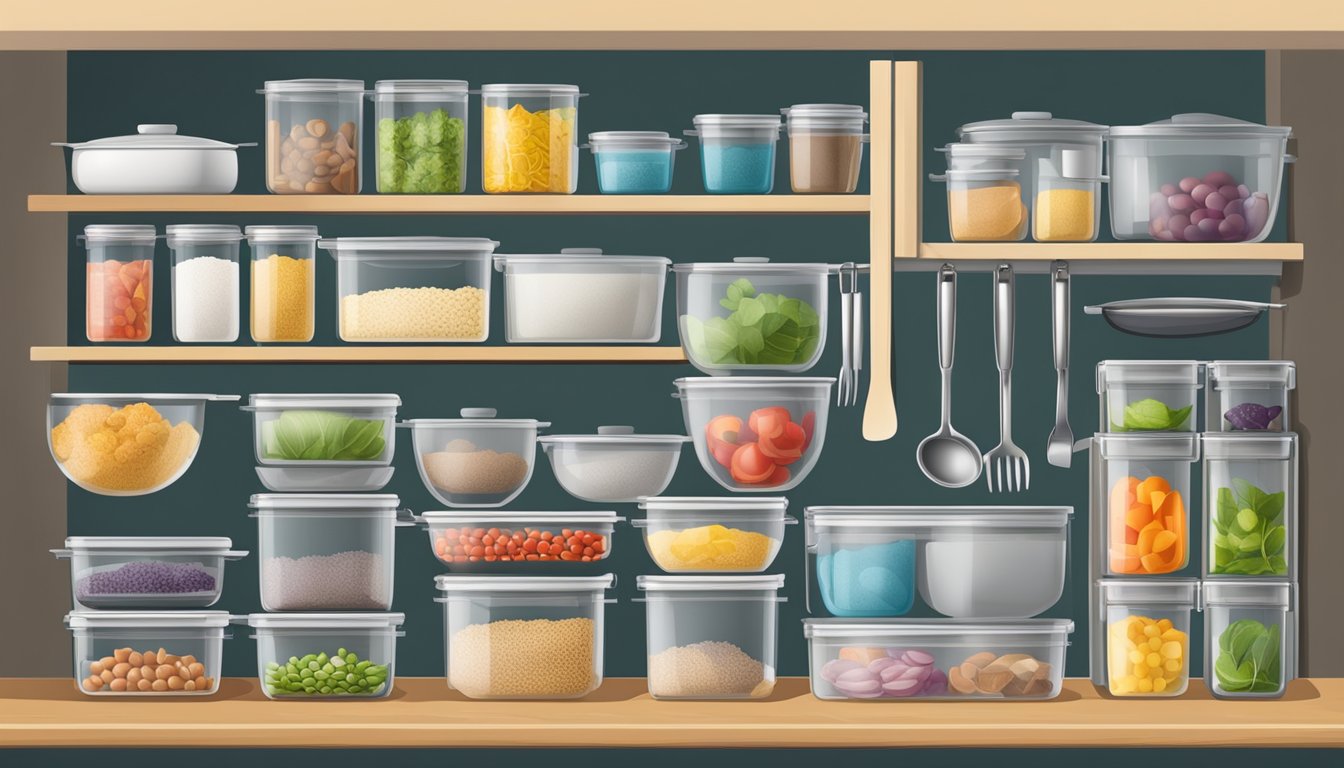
(302,435)
(762,329)
(423,153)
(1150,416)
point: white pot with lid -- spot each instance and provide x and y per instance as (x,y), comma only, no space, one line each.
(156,160)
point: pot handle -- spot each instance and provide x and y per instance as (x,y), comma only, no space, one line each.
(406,518)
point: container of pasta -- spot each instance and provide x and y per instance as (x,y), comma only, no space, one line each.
(529,137)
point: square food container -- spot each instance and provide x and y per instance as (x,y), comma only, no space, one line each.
(477,460)
(582,296)
(323,430)
(699,534)
(530,137)
(1142,646)
(321,656)
(966,562)
(1250,504)
(421,136)
(712,637)
(896,659)
(148,653)
(118,281)
(985,205)
(523,637)
(1249,637)
(1149,395)
(314,133)
(205,281)
(519,541)
(284,274)
(1249,395)
(1066,209)
(147,572)
(614,465)
(825,147)
(737,152)
(1070,148)
(634,162)
(1140,499)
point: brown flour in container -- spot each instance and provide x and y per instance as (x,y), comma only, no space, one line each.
(461,468)
(820,163)
(524,659)
(709,669)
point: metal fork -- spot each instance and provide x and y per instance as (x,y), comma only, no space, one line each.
(851,335)
(1006,465)
(1059,448)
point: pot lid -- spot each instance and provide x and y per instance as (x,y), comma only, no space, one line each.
(1194,125)
(619,436)
(1226,374)
(754,583)
(529,89)
(844,628)
(753,265)
(938,517)
(218,544)
(959,149)
(1157,591)
(153,136)
(738,121)
(326,620)
(477,417)
(324,400)
(634,140)
(1247,592)
(492,518)
(135,234)
(203,233)
(454,582)
(401,247)
(426,87)
(281,232)
(158,619)
(313,85)
(309,502)
(1148,446)
(1032,122)
(593,256)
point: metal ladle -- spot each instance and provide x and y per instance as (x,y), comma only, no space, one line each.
(948,457)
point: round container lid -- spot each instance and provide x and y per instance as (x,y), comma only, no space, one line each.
(283,232)
(846,628)
(1159,591)
(1247,592)
(454,582)
(714,504)
(313,85)
(203,233)
(477,417)
(425,87)
(618,436)
(157,543)
(529,89)
(1032,122)
(959,149)
(1202,125)
(634,140)
(753,265)
(128,234)
(155,619)
(324,400)
(144,396)
(403,247)
(326,620)
(1149,446)
(1252,446)
(586,256)
(1144,372)
(1225,374)
(844,112)
(754,583)
(153,136)
(492,518)
(382,503)
(750,382)
(938,517)
(738,121)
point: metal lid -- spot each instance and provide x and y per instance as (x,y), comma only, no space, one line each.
(203,233)
(477,417)
(1272,446)
(324,400)
(1202,125)
(529,89)
(753,583)
(1143,372)
(1227,374)
(1247,592)
(950,628)
(421,87)
(1148,446)
(1031,122)
(153,136)
(326,620)
(586,256)
(738,121)
(382,504)
(938,517)
(615,436)
(148,619)
(313,85)
(454,582)
(753,265)
(633,140)
(265,233)
(128,234)
(122,543)
(1157,591)
(402,247)
(492,518)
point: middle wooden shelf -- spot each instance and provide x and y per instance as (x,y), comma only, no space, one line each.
(303,353)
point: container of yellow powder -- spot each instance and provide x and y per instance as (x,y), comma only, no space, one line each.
(687,534)
(283,275)
(529,138)
(1066,210)
(1146,633)
(985,205)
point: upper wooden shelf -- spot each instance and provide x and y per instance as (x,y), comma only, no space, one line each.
(424,712)
(352,353)
(1129,251)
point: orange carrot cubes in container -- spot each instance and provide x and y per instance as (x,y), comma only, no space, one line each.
(118,295)
(1147,480)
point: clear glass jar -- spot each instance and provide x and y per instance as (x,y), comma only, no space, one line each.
(284,273)
(825,147)
(737,152)
(1250,648)
(314,129)
(1149,395)
(1142,496)
(1250,504)
(205,281)
(985,205)
(536,124)
(1145,635)
(1249,395)
(421,136)
(118,279)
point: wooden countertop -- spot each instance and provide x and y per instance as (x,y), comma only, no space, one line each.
(423,712)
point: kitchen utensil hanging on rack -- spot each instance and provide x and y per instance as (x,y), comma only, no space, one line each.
(948,457)
(1059,448)
(851,335)
(1006,466)
(1179,317)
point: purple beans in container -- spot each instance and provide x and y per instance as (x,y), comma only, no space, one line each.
(897,674)
(1210,209)
(147,577)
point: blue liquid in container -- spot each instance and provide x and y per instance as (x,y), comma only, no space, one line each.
(738,169)
(876,580)
(634,171)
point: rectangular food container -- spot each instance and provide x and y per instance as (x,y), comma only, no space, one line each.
(421,136)
(505,541)
(1141,647)
(985,205)
(1250,504)
(737,152)
(205,281)
(895,659)
(323,430)
(118,281)
(147,572)
(412,288)
(1140,499)
(581,295)
(1149,395)
(523,637)
(1052,145)
(1249,395)
(284,273)
(530,137)
(320,656)
(1249,639)
(634,162)
(699,534)
(825,147)
(712,637)
(966,562)
(148,653)
(314,132)
(1067,209)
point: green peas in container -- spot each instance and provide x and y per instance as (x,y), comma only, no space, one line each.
(326,655)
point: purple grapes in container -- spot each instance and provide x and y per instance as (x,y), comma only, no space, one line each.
(1213,208)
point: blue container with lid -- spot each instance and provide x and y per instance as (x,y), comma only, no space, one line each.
(737,152)
(634,162)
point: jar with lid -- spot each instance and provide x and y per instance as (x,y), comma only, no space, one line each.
(530,137)
(313,132)
(283,275)
(825,147)
(421,135)
(205,281)
(1142,646)
(119,297)
(1249,638)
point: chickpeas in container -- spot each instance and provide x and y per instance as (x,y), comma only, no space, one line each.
(313,131)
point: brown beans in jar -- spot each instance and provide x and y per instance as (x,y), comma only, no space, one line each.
(130,671)
(312,157)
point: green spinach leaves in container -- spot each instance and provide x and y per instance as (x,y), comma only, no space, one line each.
(1151,416)
(1249,535)
(299,435)
(763,329)
(1248,657)
(423,153)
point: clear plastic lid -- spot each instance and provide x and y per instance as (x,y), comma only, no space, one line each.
(753,583)
(1147,372)
(937,517)
(838,118)
(969,175)
(204,544)
(409,247)
(147,619)
(580,256)
(1230,446)
(776,504)
(279,233)
(493,518)
(739,383)
(529,89)
(478,418)
(1259,592)
(153,136)
(633,140)
(335,621)
(754,265)
(150,397)
(120,234)
(960,149)
(949,628)
(1228,374)
(738,121)
(1202,125)
(313,85)
(1152,446)
(616,437)
(378,504)
(1146,591)
(439,88)
(1026,125)
(455,582)
(323,400)
(204,234)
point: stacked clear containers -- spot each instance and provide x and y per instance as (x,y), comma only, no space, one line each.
(581,295)
(324,442)
(1140,494)
(1149,395)
(691,534)
(1250,504)
(520,541)
(475,461)
(421,136)
(825,147)
(314,129)
(119,296)
(530,138)
(283,278)
(205,281)
(634,162)
(1141,647)
(737,152)
(148,653)
(1249,395)
(146,572)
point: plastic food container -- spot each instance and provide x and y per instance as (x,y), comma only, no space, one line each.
(722,307)
(1142,492)
(1249,395)
(754,433)
(523,637)
(205,281)
(146,572)
(700,534)
(118,281)
(737,152)
(968,562)
(1053,146)
(291,479)
(1250,504)
(494,541)
(154,161)
(412,288)
(125,444)
(1148,395)
(634,162)
(421,135)
(985,205)
(326,551)
(614,465)
(322,656)
(125,653)
(712,637)
(581,295)
(984,157)
(895,659)
(530,137)
(284,272)
(825,147)
(1145,630)
(323,430)
(1066,209)
(1196,177)
(1249,649)
(477,460)
(314,131)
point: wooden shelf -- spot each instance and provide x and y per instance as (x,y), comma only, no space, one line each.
(300,353)
(463,204)
(423,712)
(1129,251)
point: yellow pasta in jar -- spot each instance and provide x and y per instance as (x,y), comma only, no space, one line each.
(528,151)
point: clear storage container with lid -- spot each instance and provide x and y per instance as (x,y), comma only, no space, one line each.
(752,314)
(615,465)
(756,433)
(699,534)
(314,131)
(205,281)
(737,152)
(421,135)
(634,162)
(148,653)
(523,637)
(712,637)
(147,572)
(964,156)
(1142,646)
(1140,499)
(581,295)
(284,272)
(324,430)
(1149,395)
(1196,177)
(322,656)
(985,205)
(895,659)
(1249,395)
(118,281)
(516,542)
(966,562)
(1250,504)
(1066,209)
(1069,148)
(825,146)
(412,288)
(326,551)
(530,137)
(1249,641)
(477,460)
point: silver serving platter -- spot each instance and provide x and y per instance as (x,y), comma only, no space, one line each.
(1179,317)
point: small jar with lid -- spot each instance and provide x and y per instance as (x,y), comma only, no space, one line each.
(1249,395)
(1149,395)
(530,137)
(1142,648)
(313,132)
(737,152)
(119,296)
(283,275)
(205,281)
(1141,498)
(825,147)
(634,162)
(421,136)
(1250,504)
(1249,638)
(985,205)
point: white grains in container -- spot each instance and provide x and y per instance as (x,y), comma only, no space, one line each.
(557,306)
(205,299)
